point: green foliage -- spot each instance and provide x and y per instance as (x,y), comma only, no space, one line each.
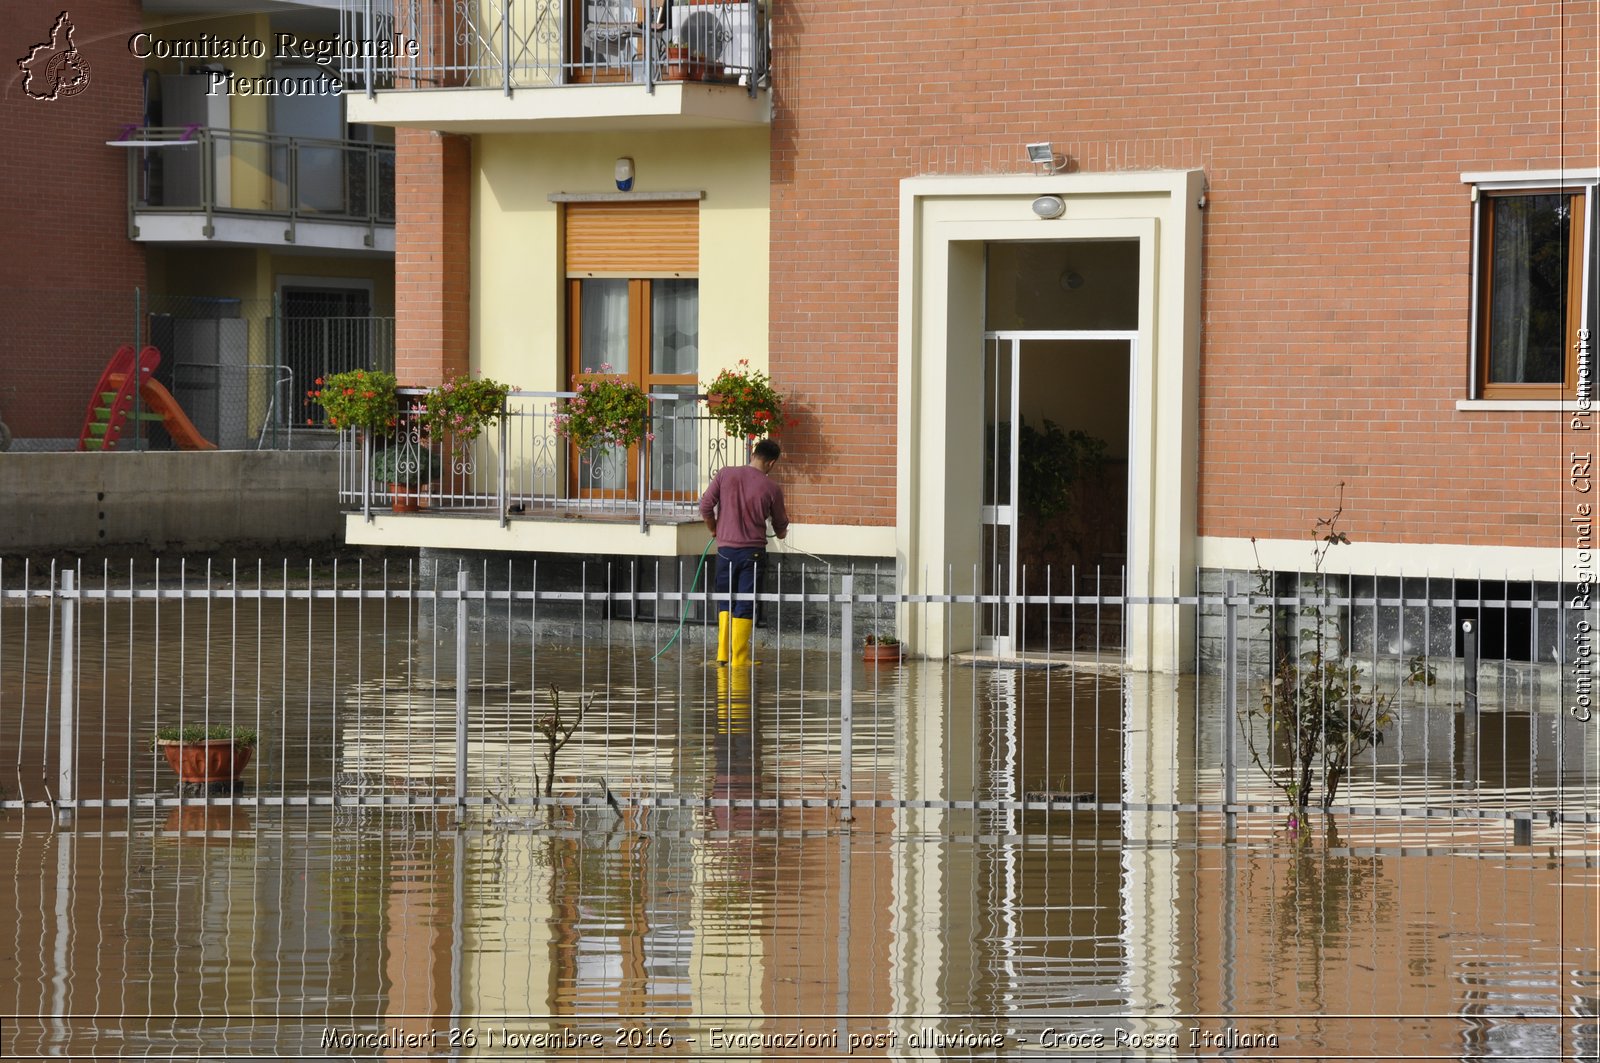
(876,639)
(408,463)
(358,399)
(1317,707)
(463,407)
(217,732)
(1050,462)
(745,403)
(607,411)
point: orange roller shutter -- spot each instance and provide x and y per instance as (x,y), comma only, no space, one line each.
(633,239)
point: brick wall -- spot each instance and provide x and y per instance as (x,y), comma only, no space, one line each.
(1337,232)
(433,227)
(69,271)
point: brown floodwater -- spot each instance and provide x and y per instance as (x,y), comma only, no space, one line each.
(721,910)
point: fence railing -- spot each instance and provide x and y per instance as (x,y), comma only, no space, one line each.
(524,466)
(418,687)
(235,172)
(512,45)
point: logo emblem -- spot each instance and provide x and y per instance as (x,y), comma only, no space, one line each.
(55,68)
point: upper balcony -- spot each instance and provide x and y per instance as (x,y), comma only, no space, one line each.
(208,187)
(473,66)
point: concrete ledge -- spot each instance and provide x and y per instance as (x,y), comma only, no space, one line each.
(167,501)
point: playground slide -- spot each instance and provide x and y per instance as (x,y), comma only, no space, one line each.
(158,399)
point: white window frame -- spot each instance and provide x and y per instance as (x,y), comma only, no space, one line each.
(1585,180)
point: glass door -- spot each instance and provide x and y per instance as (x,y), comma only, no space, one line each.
(647,331)
(997,562)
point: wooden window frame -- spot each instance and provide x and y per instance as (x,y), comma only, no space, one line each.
(1580,272)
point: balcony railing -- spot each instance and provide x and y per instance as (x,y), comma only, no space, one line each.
(518,44)
(524,467)
(220,173)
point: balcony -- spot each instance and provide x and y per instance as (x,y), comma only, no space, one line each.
(526,480)
(205,186)
(472,66)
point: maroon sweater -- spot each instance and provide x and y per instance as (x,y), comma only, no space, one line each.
(741,498)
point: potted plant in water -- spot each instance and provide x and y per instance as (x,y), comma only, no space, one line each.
(744,401)
(881,649)
(207,756)
(405,465)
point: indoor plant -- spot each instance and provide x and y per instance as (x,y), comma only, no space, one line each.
(744,401)
(462,408)
(207,755)
(360,398)
(607,411)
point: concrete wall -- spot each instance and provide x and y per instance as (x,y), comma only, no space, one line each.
(167,501)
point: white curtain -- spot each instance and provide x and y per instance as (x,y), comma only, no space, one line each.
(604,325)
(675,326)
(1509,289)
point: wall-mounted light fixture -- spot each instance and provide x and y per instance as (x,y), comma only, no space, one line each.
(1044,156)
(624,174)
(1047,207)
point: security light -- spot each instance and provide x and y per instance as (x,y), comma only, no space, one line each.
(1045,156)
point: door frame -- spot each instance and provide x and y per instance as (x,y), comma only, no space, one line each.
(992,515)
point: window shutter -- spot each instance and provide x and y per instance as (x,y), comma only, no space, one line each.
(632,239)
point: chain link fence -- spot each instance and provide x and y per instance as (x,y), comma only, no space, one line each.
(232,373)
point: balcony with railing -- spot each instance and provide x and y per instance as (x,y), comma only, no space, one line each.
(635,64)
(524,470)
(209,186)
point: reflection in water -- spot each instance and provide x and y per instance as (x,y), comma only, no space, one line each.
(192,934)
(744,903)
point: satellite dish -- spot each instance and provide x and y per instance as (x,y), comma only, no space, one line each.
(704,34)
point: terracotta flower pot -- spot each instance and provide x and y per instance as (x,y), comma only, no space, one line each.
(216,760)
(881,653)
(403,499)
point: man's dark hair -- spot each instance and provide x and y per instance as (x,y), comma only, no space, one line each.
(768,450)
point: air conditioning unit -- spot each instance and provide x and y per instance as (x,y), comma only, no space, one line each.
(725,34)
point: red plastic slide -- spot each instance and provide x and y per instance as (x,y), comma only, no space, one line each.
(158,399)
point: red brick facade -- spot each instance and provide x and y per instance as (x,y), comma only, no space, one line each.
(1337,235)
(433,275)
(69,271)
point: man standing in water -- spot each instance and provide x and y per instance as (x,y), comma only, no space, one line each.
(736,508)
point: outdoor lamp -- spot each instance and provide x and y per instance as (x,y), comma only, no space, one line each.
(624,174)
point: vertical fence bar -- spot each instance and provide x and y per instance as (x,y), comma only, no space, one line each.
(66,784)
(505,46)
(1469,702)
(1230,710)
(502,503)
(461,689)
(846,706)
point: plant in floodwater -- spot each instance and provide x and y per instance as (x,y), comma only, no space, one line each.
(557,731)
(1316,712)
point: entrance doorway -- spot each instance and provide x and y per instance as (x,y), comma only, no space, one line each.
(1055,510)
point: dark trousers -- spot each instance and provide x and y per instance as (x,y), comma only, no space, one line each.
(736,578)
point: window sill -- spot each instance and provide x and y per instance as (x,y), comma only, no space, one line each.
(1525,405)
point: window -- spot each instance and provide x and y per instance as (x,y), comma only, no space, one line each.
(633,305)
(646,329)
(1535,262)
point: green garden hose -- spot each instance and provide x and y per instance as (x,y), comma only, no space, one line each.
(688,600)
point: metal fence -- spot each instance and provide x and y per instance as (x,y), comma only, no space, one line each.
(506,45)
(406,686)
(527,467)
(239,370)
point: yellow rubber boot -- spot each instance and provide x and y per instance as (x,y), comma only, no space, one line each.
(741,631)
(733,701)
(722,637)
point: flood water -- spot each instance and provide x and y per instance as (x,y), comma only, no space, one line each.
(721,910)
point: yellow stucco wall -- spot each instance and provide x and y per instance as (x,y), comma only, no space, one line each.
(517,303)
